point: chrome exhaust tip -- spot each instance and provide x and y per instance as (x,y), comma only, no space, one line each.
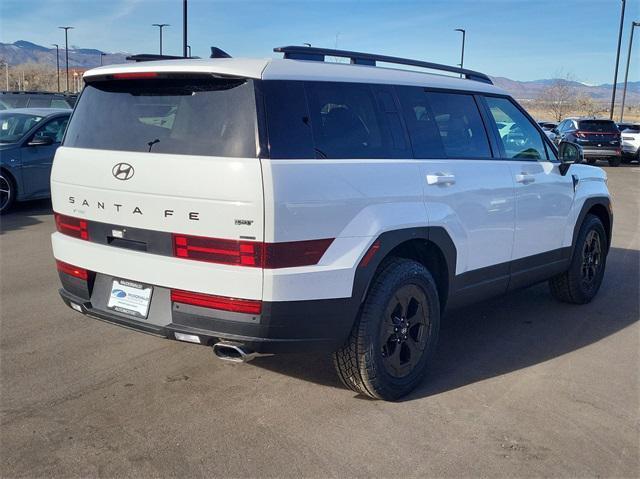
(234,352)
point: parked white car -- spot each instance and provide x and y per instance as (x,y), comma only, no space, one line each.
(630,141)
(282,205)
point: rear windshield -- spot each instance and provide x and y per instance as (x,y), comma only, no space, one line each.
(597,126)
(200,116)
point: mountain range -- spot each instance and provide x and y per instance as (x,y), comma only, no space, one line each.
(22,51)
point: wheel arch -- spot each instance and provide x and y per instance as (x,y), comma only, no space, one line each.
(430,246)
(598,206)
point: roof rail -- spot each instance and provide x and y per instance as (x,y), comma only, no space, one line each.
(358,58)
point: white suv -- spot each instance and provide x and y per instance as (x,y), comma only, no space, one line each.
(283,205)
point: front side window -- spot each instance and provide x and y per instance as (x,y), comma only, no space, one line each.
(459,124)
(191,116)
(53,129)
(519,137)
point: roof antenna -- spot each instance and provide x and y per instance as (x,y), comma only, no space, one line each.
(218,53)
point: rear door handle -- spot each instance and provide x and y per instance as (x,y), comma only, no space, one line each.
(441,179)
(525,178)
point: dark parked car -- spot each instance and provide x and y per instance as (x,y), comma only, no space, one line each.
(36,99)
(598,138)
(29,138)
(547,125)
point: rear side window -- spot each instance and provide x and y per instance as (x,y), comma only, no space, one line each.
(604,126)
(39,102)
(347,122)
(459,124)
(421,123)
(519,137)
(198,116)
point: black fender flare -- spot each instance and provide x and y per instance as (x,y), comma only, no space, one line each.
(586,207)
(388,241)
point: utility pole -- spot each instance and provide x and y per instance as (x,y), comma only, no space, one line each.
(189,49)
(615,74)
(626,73)
(6,73)
(184,28)
(160,26)
(66,50)
(57,64)
(464,34)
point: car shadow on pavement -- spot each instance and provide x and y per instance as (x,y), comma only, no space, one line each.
(506,334)
(24,214)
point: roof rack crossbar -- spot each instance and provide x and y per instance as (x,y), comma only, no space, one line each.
(358,58)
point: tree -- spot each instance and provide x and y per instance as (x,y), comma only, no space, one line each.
(559,97)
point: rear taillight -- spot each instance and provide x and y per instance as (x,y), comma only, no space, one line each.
(250,253)
(71,226)
(213,250)
(71,270)
(236,305)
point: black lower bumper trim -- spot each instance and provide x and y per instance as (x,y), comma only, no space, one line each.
(292,327)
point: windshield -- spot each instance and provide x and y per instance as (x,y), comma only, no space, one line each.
(14,126)
(598,126)
(192,116)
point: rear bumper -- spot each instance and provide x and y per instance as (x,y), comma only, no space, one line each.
(600,152)
(282,327)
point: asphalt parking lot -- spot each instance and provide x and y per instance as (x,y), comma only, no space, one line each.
(521,386)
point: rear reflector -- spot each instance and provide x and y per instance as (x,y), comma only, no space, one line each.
(71,270)
(71,226)
(190,338)
(250,253)
(366,259)
(134,75)
(236,305)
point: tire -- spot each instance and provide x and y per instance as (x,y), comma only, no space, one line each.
(581,282)
(615,161)
(7,192)
(392,341)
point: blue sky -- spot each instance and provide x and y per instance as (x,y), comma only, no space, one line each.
(519,39)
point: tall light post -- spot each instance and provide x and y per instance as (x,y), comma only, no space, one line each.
(66,50)
(6,72)
(189,50)
(102,55)
(464,34)
(626,73)
(184,28)
(161,26)
(615,73)
(57,63)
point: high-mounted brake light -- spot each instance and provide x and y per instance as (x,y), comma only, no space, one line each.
(71,226)
(236,305)
(71,270)
(250,253)
(134,75)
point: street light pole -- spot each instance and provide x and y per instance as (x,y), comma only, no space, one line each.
(189,49)
(615,74)
(184,28)
(464,33)
(6,72)
(161,26)
(626,73)
(66,51)
(57,64)
(102,55)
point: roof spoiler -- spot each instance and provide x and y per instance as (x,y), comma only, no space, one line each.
(370,59)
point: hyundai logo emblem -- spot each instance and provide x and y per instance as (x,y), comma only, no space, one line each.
(123,171)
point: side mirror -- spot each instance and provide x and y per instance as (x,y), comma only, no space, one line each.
(554,130)
(569,154)
(40,141)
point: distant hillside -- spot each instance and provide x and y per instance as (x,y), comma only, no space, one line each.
(22,51)
(530,90)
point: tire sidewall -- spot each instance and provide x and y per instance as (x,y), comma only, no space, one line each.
(12,192)
(591,223)
(405,273)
